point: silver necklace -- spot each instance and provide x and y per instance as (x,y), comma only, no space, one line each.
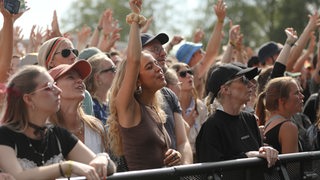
(41,154)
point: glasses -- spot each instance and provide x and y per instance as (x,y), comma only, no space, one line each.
(243,79)
(156,49)
(183,74)
(66,52)
(112,69)
(50,86)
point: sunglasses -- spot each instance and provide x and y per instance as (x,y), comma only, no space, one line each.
(66,52)
(243,79)
(50,86)
(183,74)
(112,69)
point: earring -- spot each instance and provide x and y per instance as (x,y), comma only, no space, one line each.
(139,90)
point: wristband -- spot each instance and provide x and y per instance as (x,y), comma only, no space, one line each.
(60,170)
(69,170)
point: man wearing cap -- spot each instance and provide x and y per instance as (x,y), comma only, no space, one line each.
(200,61)
(231,133)
(175,124)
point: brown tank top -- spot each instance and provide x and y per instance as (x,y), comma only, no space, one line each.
(145,145)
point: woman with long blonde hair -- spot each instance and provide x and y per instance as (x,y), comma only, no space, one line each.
(136,123)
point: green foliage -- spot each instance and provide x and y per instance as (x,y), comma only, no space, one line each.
(260,20)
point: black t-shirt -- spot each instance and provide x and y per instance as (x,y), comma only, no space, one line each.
(226,137)
(55,146)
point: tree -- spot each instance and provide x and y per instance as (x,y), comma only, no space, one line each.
(260,21)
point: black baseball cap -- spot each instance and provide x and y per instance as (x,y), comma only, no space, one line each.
(146,38)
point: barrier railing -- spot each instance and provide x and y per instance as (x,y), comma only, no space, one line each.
(295,166)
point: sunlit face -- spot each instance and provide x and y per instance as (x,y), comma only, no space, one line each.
(72,86)
(158,52)
(46,96)
(151,75)
(239,89)
(196,57)
(294,103)
(60,57)
(105,75)
(185,76)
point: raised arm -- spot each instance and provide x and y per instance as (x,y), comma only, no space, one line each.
(234,34)
(174,41)
(314,22)
(298,67)
(290,42)
(6,41)
(125,102)
(214,40)
(316,74)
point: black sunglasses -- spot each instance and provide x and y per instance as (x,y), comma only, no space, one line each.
(112,69)
(183,74)
(66,52)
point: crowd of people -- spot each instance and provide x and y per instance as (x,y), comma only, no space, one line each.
(86,108)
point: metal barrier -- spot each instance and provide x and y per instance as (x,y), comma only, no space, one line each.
(295,166)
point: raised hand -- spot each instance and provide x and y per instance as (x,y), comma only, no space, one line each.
(176,40)
(135,6)
(83,37)
(55,25)
(198,35)
(314,21)
(145,28)
(221,10)
(292,36)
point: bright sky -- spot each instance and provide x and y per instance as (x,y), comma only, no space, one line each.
(40,13)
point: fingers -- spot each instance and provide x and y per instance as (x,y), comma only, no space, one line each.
(270,154)
(102,171)
(174,158)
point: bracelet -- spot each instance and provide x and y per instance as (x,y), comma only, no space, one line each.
(221,21)
(69,170)
(99,28)
(61,171)
(134,17)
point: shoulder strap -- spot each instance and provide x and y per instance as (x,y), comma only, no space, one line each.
(271,120)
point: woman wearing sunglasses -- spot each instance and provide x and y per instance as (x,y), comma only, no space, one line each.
(34,148)
(231,133)
(60,50)
(136,123)
(194,110)
(98,83)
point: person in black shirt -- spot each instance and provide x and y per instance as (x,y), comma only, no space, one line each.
(230,133)
(34,148)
